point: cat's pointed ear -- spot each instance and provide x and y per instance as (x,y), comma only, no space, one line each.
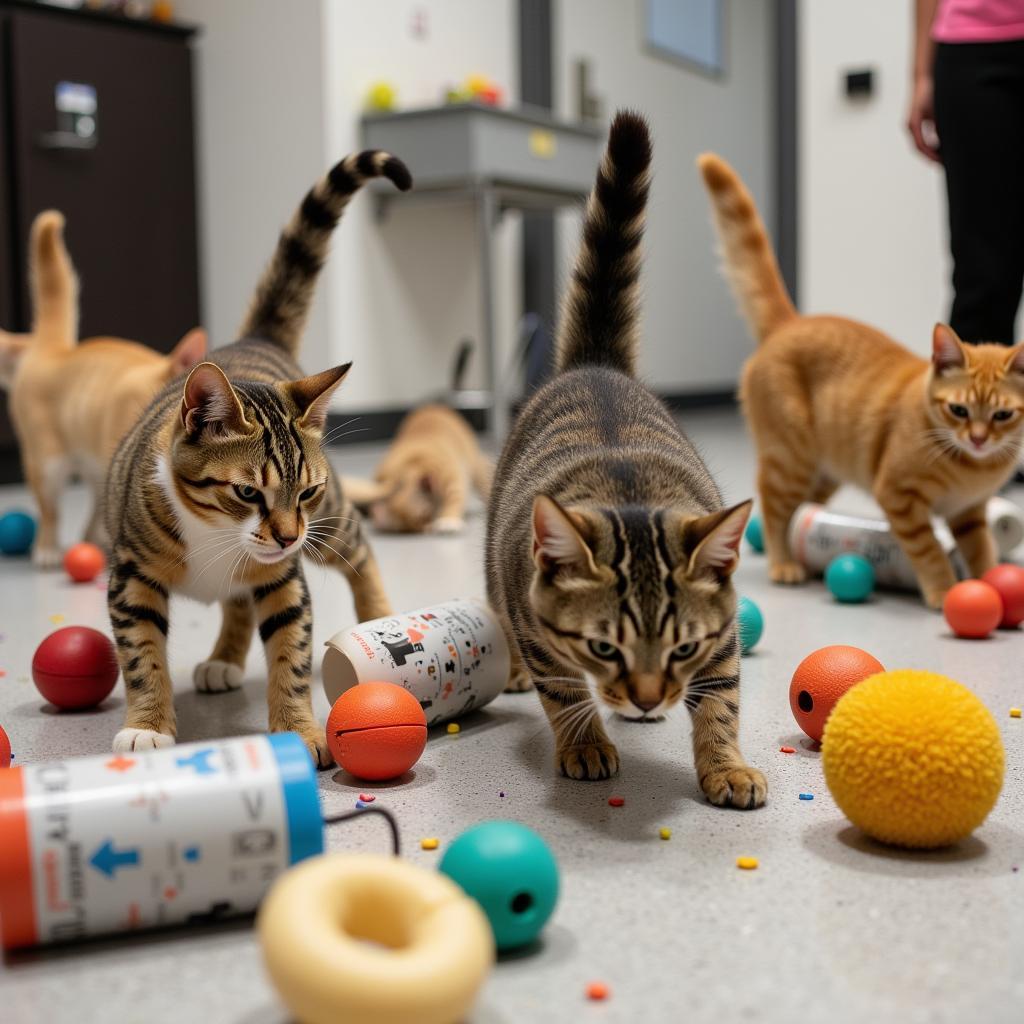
(1015,360)
(947,349)
(313,395)
(557,540)
(714,540)
(209,402)
(189,352)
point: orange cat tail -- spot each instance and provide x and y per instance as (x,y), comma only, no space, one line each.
(750,262)
(54,283)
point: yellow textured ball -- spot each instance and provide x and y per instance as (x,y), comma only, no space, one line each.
(913,758)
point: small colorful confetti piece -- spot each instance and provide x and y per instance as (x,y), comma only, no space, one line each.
(788,750)
(665,833)
(3,672)
(367,798)
(746,863)
(502,794)
(453,728)
(1015,712)
(616,801)
(429,844)
(360,804)
(806,796)
(598,990)
(57,619)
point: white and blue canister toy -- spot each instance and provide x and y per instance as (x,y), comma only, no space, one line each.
(96,845)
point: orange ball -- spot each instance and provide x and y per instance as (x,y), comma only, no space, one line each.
(973,609)
(376,731)
(84,562)
(1009,581)
(822,678)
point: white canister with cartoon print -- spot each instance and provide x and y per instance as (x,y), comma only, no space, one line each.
(452,657)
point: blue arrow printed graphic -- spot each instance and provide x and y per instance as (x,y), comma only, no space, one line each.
(200,761)
(109,860)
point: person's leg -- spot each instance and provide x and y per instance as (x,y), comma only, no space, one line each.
(979,114)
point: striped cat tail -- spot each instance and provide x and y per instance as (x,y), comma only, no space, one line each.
(282,298)
(600,324)
(54,285)
(749,261)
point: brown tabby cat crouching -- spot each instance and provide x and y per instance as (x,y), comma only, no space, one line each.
(223,483)
(833,401)
(609,554)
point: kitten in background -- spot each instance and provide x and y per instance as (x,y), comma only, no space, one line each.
(70,402)
(833,401)
(423,481)
(609,552)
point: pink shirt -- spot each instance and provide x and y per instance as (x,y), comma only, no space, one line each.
(978,21)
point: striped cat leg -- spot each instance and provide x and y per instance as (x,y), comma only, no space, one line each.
(974,539)
(909,515)
(713,699)
(286,629)
(519,680)
(138,614)
(222,671)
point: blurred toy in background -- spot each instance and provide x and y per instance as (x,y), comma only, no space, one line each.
(475,89)
(162,11)
(381,96)
(17,531)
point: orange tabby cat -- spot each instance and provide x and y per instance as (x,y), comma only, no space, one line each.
(72,403)
(832,401)
(422,483)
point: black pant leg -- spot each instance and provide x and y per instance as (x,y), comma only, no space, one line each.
(979,113)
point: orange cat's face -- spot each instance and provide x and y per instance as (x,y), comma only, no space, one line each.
(976,395)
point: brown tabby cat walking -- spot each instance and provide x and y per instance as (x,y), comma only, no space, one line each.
(223,483)
(832,401)
(609,554)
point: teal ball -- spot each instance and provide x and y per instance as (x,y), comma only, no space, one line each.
(17,531)
(755,534)
(511,872)
(751,623)
(850,578)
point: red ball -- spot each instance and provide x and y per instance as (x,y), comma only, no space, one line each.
(822,678)
(84,562)
(5,749)
(376,731)
(1009,581)
(973,609)
(75,667)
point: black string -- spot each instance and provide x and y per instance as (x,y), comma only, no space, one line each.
(359,812)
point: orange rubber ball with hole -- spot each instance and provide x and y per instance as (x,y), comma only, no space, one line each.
(822,678)
(376,731)
(973,609)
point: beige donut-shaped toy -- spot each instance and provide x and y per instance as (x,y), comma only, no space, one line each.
(365,938)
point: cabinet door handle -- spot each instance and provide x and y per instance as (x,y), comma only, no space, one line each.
(64,141)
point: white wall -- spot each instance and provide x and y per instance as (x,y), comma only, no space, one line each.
(693,339)
(872,213)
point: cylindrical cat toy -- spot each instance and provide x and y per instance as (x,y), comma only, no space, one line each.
(96,845)
(452,657)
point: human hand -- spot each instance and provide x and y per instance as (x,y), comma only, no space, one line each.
(921,119)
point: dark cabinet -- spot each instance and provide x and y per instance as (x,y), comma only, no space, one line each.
(125,181)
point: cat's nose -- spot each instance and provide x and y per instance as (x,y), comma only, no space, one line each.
(282,540)
(646,704)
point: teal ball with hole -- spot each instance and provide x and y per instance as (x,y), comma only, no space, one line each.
(751,624)
(511,872)
(850,578)
(755,534)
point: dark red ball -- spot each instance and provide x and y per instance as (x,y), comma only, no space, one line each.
(75,668)
(1009,581)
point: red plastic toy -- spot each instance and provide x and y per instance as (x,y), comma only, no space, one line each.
(973,609)
(5,749)
(1009,581)
(84,562)
(75,668)
(376,731)
(822,678)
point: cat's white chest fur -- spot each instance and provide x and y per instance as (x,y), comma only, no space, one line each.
(214,557)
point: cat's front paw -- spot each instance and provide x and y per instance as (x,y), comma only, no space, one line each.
(739,786)
(46,557)
(129,741)
(315,738)
(448,525)
(935,597)
(519,682)
(589,761)
(787,572)
(215,676)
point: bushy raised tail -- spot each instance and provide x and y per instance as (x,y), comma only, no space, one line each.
(281,302)
(600,323)
(749,260)
(54,284)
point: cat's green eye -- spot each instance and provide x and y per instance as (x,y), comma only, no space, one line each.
(309,492)
(687,650)
(246,493)
(1002,415)
(961,412)
(604,650)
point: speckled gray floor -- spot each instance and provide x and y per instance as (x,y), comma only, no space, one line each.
(828,928)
